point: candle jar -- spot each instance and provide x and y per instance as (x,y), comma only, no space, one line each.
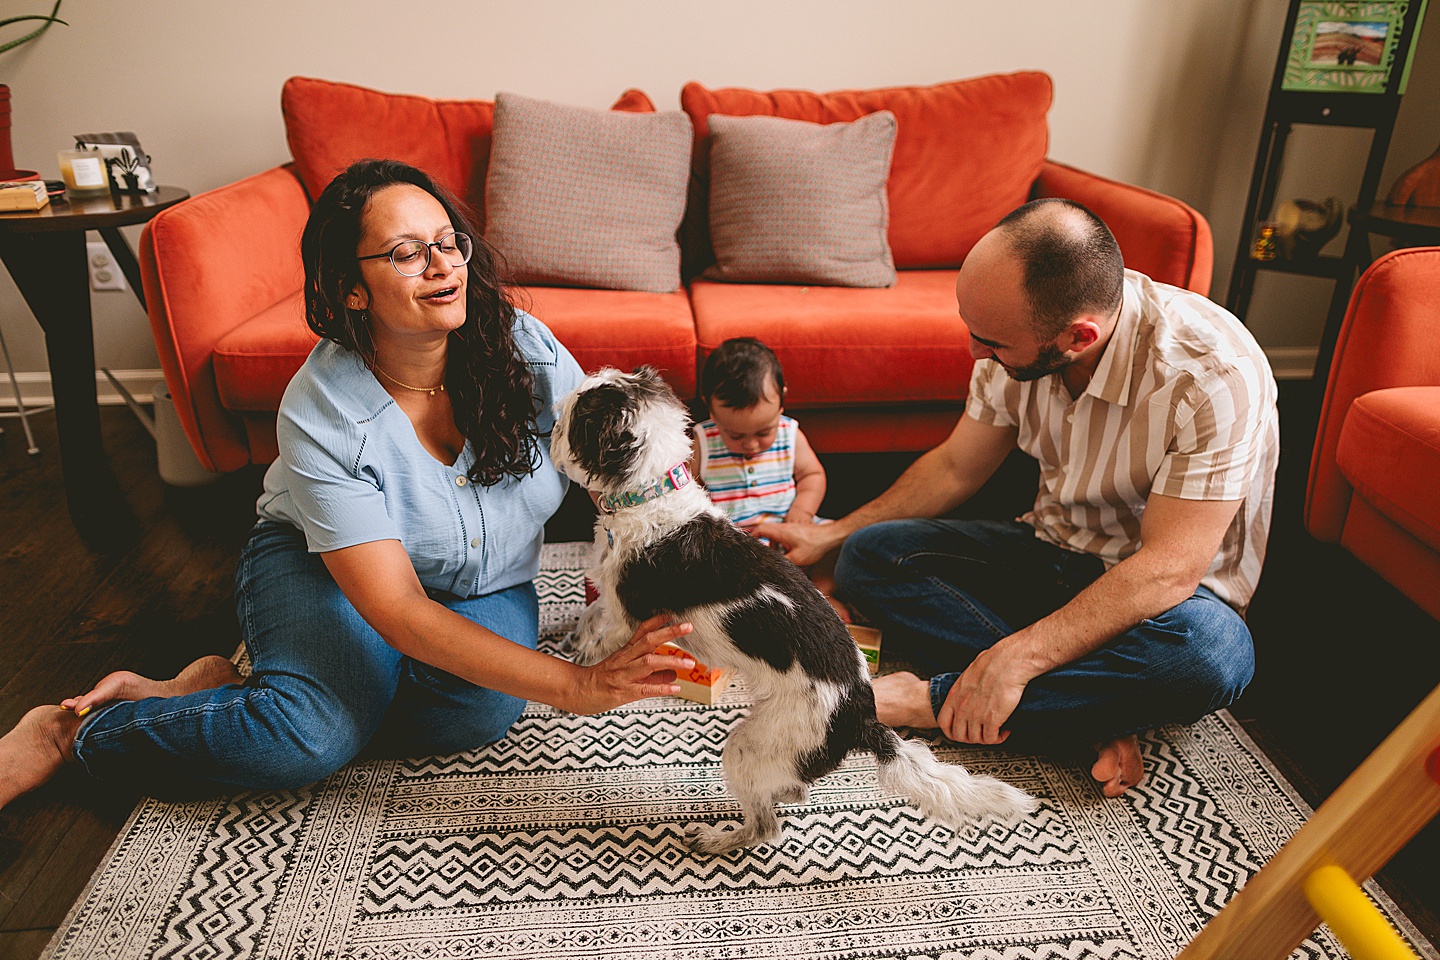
(84,173)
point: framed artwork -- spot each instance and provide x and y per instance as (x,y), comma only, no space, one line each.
(1347,46)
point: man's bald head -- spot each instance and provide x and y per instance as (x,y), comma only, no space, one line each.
(1069,261)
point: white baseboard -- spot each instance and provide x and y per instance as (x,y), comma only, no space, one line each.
(1292,363)
(35,387)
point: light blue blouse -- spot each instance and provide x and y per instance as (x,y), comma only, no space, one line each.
(351,470)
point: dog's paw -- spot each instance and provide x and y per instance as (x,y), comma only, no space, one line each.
(706,838)
(587,644)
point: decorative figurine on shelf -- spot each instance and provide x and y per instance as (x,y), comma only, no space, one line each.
(1303,227)
(1264,246)
(127,165)
(127,161)
(1419,186)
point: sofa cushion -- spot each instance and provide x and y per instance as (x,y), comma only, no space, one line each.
(255,361)
(844,346)
(583,197)
(331,125)
(966,153)
(799,202)
(1389,450)
(621,328)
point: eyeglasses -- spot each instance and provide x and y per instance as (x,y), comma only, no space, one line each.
(410,258)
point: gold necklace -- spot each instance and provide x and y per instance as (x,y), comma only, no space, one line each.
(430,390)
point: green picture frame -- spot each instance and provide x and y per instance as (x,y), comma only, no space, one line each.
(1347,46)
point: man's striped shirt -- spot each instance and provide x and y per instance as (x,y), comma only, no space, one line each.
(1182,404)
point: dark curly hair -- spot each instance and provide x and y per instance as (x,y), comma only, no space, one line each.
(739,373)
(484,371)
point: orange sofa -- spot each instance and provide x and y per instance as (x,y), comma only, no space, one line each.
(867,369)
(1375,473)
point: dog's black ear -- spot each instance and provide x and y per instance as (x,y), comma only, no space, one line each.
(649,383)
(600,437)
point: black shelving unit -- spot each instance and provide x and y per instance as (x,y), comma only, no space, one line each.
(1287,108)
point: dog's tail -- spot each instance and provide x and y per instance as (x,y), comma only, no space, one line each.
(945,792)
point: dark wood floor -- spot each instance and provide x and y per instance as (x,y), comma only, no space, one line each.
(1341,656)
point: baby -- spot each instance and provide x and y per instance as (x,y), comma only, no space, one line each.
(753,460)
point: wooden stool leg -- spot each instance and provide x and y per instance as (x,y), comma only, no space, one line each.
(1384,803)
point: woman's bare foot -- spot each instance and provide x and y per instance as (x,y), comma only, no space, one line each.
(207,673)
(1119,766)
(39,746)
(903,700)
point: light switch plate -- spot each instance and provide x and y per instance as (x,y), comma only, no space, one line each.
(105,273)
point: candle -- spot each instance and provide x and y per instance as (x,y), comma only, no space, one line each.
(83,172)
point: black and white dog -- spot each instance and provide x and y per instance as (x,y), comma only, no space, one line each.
(662,546)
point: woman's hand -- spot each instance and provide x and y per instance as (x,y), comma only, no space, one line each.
(633,672)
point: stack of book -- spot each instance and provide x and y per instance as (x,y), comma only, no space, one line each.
(22,195)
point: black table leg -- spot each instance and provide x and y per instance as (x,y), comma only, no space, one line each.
(51,271)
(125,257)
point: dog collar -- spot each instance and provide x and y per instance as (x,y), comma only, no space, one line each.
(675,478)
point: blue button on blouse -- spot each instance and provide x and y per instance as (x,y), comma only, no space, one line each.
(351,470)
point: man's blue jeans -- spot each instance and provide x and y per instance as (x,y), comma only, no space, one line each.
(323,686)
(944,590)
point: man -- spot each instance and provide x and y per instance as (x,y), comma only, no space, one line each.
(1117,603)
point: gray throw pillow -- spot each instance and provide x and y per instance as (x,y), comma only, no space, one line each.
(587,198)
(799,202)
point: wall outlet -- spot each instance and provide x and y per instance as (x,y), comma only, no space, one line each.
(105,273)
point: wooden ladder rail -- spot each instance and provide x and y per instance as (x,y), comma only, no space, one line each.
(1375,812)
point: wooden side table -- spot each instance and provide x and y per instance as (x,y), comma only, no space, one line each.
(44,251)
(1408,226)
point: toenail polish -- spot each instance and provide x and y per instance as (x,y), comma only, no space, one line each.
(82,713)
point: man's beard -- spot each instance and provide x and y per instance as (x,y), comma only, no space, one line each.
(1049,360)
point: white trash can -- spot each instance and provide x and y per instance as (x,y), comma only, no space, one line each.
(176,459)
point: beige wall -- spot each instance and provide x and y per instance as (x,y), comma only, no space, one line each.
(1164,93)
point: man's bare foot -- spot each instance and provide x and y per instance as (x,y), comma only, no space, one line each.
(903,700)
(39,746)
(1119,766)
(207,673)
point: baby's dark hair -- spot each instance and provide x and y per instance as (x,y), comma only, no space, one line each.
(738,371)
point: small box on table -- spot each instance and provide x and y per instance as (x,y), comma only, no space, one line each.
(22,195)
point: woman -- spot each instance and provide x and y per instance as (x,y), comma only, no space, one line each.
(386,594)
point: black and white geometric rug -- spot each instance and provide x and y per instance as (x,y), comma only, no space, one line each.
(564,840)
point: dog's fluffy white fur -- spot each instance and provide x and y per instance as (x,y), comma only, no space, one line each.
(752,611)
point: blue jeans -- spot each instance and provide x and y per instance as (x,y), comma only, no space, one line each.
(323,686)
(944,590)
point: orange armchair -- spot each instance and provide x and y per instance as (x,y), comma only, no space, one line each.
(1375,473)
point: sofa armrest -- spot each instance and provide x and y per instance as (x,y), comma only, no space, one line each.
(1388,339)
(208,265)
(1161,237)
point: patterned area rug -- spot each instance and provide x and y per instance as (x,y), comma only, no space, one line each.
(565,841)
